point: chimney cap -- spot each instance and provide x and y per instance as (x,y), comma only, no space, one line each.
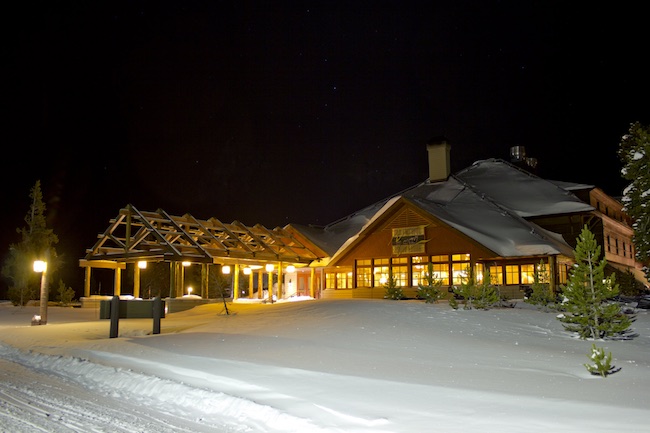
(439,139)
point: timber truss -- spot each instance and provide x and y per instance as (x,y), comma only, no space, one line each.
(157,236)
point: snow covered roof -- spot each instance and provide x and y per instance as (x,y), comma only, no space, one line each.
(519,190)
(488,202)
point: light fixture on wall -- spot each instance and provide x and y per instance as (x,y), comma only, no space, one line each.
(225,269)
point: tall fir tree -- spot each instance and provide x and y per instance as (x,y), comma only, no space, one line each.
(37,243)
(634,152)
(589,310)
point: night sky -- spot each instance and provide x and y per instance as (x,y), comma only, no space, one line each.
(300,112)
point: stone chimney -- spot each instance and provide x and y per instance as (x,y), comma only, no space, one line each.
(439,163)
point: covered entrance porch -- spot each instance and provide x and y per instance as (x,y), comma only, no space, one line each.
(259,263)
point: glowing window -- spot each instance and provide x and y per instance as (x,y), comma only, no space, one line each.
(460,272)
(364,273)
(527,274)
(562,272)
(496,275)
(330,280)
(364,276)
(344,280)
(512,274)
(400,271)
(380,272)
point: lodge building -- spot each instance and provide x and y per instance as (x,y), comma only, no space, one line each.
(494,217)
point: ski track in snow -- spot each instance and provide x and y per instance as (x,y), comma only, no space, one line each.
(32,400)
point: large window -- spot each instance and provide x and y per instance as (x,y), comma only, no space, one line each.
(338,280)
(380,272)
(496,275)
(400,271)
(512,274)
(344,280)
(460,268)
(408,270)
(330,280)
(419,270)
(527,274)
(364,273)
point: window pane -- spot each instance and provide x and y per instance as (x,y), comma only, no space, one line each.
(419,259)
(441,272)
(460,258)
(527,274)
(400,274)
(460,273)
(512,274)
(419,271)
(380,274)
(496,275)
(330,281)
(364,277)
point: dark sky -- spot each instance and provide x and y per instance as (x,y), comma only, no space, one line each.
(303,112)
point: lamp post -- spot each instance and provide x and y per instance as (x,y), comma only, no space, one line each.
(41,266)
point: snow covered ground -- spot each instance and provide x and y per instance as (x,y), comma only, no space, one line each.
(353,366)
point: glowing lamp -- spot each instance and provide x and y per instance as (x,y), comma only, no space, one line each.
(247,271)
(142,264)
(40,266)
(291,268)
(269,267)
(225,269)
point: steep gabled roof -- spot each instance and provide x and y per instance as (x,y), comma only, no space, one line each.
(488,202)
(520,191)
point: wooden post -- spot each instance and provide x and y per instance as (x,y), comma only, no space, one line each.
(136,280)
(157,313)
(235,282)
(87,282)
(115,316)
(117,282)
(280,281)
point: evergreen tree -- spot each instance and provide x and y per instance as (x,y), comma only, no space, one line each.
(634,152)
(602,363)
(393,291)
(481,295)
(589,310)
(430,291)
(541,293)
(37,243)
(66,294)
